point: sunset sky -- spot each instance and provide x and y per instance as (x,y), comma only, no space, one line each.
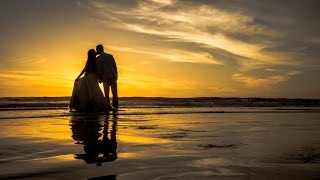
(172,48)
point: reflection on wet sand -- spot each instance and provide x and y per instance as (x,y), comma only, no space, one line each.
(97,134)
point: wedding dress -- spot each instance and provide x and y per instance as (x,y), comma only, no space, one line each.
(87,95)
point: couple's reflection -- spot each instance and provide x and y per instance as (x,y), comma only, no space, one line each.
(97,134)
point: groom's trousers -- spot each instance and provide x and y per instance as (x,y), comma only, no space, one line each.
(114,89)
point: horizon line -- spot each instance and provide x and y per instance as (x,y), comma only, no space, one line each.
(166,97)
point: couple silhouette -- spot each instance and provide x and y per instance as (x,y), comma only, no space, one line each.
(87,95)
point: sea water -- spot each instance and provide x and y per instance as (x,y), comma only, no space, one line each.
(161,138)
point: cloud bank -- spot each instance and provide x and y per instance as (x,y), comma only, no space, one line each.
(255,40)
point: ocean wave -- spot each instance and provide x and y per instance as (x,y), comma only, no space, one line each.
(159,102)
(56,112)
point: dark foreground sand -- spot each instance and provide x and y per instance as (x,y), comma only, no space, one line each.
(168,146)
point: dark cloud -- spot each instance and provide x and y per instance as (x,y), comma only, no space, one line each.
(15,12)
(296,20)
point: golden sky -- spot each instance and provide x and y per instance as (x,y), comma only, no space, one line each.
(172,48)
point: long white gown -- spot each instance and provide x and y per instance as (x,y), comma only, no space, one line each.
(87,95)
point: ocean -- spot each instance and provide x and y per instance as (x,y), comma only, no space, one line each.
(161,138)
(210,104)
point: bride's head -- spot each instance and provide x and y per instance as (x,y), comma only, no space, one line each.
(91,65)
(92,54)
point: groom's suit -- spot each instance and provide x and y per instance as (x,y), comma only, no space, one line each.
(108,72)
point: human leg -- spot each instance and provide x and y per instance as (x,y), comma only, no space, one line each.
(106,88)
(114,89)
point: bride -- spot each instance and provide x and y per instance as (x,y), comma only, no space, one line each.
(87,95)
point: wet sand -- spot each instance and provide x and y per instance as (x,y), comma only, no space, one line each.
(165,146)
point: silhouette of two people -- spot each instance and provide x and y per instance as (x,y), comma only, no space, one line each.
(86,94)
(97,134)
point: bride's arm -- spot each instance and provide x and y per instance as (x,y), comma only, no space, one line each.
(82,72)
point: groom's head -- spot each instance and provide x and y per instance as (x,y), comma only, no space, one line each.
(99,48)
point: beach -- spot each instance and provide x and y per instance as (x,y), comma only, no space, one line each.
(160,142)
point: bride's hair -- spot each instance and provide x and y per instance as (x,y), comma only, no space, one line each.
(91,54)
(91,64)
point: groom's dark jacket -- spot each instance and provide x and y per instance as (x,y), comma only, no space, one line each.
(107,67)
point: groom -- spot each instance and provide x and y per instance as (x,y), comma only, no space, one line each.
(108,72)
